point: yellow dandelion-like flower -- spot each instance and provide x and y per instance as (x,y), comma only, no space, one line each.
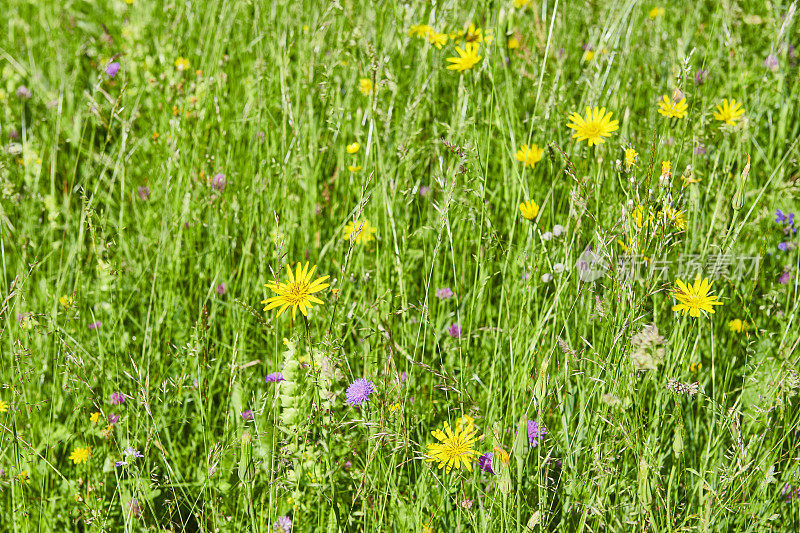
(529,155)
(630,157)
(594,127)
(737,325)
(437,39)
(588,55)
(674,216)
(3,406)
(466,58)
(95,417)
(66,301)
(656,12)
(354,168)
(360,230)
(694,298)
(639,218)
(454,449)
(181,64)
(476,35)
(353,148)
(427,528)
(666,168)
(23,476)
(513,43)
(80,455)
(519,4)
(297,293)
(529,209)
(394,407)
(419,30)
(694,368)
(669,108)
(729,112)
(366,86)
(465,422)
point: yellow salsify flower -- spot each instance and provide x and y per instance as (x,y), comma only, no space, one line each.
(737,325)
(354,168)
(669,108)
(521,3)
(694,298)
(95,417)
(476,35)
(298,292)
(466,58)
(427,528)
(465,422)
(666,168)
(437,39)
(673,216)
(353,148)
(3,406)
(588,55)
(419,30)
(181,64)
(360,230)
(529,155)
(454,449)
(366,86)
(656,12)
(630,158)
(594,127)
(529,209)
(639,218)
(729,112)
(80,455)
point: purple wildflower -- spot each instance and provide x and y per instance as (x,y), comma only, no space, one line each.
(560,53)
(144,193)
(359,390)
(771,62)
(247,414)
(444,293)
(24,93)
(780,218)
(117,398)
(526,276)
(95,325)
(700,76)
(113,419)
(221,289)
(275,377)
(784,246)
(403,376)
(485,462)
(424,190)
(535,432)
(454,330)
(218,182)
(131,451)
(112,69)
(282,525)
(135,508)
(786,276)
(699,150)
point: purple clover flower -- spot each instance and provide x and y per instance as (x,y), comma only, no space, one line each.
(454,330)
(444,293)
(221,289)
(771,62)
(275,377)
(282,525)
(112,69)
(24,93)
(247,414)
(359,390)
(144,193)
(117,398)
(113,419)
(95,325)
(535,432)
(218,182)
(786,276)
(485,462)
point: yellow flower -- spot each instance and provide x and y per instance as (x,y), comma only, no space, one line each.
(656,12)
(666,168)
(23,476)
(529,209)
(476,35)
(66,301)
(588,55)
(513,43)
(729,112)
(95,417)
(669,109)
(427,528)
(353,168)
(81,455)
(394,407)
(737,325)
(181,64)
(298,292)
(638,216)
(353,148)
(437,39)
(454,449)
(630,157)
(694,298)
(466,58)
(673,216)
(465,422)
(694,368)
(521,3)
(594,127)
(366,86)
(420,30)
(3,406)
(129,2)
(529,155)
(364,231)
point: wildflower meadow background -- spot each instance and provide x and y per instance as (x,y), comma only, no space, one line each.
(432,266)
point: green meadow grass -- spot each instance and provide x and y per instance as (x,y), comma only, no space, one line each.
(109,214)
